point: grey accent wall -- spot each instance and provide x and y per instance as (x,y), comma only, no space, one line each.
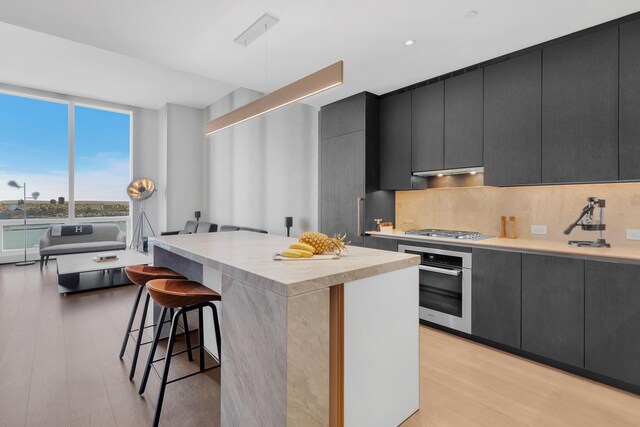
(257,172)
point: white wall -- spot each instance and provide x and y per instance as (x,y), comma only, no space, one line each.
(259,171)
(181,145)
(145,151)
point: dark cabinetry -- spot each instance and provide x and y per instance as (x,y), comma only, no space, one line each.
(463,120)
(496,296)
(382,243)
(427,128)
(342,188)
(343,117)
(553,308)
(512,126)
(580,109)
(612,320)
(630,100)
(395,144)
(349,199)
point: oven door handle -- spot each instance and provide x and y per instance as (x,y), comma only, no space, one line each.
(440,270)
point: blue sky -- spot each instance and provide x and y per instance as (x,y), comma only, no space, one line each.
(34,148)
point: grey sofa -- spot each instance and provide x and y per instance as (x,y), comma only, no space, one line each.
(104,237)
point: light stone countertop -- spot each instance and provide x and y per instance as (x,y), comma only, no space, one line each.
(248,257)
(627,254)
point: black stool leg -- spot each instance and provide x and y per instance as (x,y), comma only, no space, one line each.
(152,351)
(123,348)
(186,335)
(136,352)
(167,363)
(201,338)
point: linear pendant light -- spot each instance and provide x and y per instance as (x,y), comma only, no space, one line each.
(312,84)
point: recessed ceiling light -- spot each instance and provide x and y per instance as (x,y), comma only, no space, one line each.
(409,42)
(473,172)
(440,175)
(471,14)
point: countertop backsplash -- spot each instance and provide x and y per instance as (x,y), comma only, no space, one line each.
(556,206)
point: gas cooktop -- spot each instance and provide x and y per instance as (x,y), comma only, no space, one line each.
(448,234)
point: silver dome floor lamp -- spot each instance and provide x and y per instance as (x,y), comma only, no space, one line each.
(34,196)
(140,190)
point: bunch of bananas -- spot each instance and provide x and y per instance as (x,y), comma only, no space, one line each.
(298,250)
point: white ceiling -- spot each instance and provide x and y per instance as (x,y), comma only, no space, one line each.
(173,51)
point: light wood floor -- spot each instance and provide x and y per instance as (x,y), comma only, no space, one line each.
(59,367)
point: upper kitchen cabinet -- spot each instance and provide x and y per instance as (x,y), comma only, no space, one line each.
(395,143)
(580,109)
(463,120)
(343,117)
(629,100)
(427,128)
(512,121)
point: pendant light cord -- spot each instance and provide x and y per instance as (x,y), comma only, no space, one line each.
(266,84)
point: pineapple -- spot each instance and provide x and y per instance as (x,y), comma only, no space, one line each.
(323,243)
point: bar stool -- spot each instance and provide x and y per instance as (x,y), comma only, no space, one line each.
(189,296)
(140,275)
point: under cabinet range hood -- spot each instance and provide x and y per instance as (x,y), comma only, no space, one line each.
(450,178)
(443,172)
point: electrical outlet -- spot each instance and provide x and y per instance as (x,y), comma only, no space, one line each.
(633,234)
(539,229)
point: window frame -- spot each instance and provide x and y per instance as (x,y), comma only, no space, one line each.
(71,214)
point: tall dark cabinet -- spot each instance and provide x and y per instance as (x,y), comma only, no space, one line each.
(612,320)
(395,142)
(630,100)
(349,199)
(427,128)
(553,308)
(512,121)
(463,120)
(580,109)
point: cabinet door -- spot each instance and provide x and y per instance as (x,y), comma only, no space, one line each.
(580,109)
(553,308)
(343,117)
(341,185)
(512,126)
(630,100)
(496,296)
(612,320)
(427,128)
(381,243)
(463,120)
(395,142)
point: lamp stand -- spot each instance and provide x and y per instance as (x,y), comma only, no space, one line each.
(25,262)
(138,231)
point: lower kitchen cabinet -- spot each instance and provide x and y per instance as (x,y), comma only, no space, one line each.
(612,320)
(553,308)
(381,243)
(496,296)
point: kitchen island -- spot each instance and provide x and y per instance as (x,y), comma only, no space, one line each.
(304,343)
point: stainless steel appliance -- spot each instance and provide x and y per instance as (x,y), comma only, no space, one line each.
(445,286)
(447,234)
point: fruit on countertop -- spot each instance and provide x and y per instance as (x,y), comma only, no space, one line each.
(302,246)
(322,243)
(291,253)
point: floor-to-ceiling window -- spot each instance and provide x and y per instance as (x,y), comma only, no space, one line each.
(76,157)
